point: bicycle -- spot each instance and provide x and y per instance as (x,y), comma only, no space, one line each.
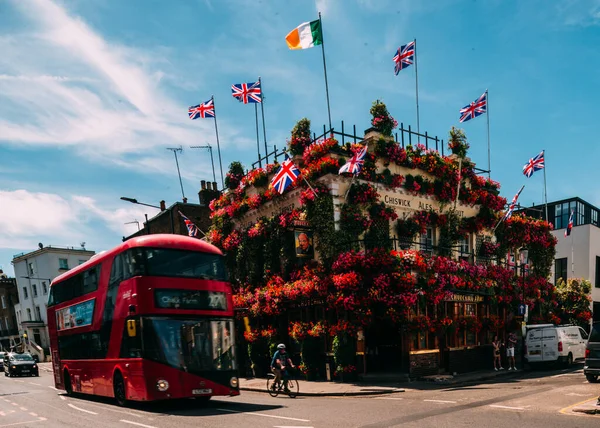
(276,388)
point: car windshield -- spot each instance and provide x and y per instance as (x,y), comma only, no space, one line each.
(21,357)
(191,345)
(595,334)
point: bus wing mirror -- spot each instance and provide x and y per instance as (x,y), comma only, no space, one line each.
(131,328)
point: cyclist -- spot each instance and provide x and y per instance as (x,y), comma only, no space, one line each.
(278,364)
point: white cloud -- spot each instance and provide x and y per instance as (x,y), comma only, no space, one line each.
(28,218)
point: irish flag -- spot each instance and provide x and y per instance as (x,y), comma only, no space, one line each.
(306,35)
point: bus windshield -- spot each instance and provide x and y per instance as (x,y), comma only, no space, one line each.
(191,345)
(176,263)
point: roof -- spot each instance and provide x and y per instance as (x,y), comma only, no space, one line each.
(161,240)
(51,249)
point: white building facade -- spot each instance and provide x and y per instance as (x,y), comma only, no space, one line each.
(577,255)
(34,271)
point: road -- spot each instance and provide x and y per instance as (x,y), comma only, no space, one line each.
(535,399)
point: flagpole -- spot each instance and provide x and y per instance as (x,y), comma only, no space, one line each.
(502,219)
(212,97)
(257,138)
(459,178)
(262,108)
(325,70)
(545,188)
(417,94)
(487,110)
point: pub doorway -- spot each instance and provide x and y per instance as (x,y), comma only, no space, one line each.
(384,348)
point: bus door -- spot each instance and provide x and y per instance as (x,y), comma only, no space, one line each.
(58,380)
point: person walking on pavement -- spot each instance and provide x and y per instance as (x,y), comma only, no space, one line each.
(497,358)
(510,350)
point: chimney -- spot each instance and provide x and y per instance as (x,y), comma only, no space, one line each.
(185,200)
(215,186)
(203,184)
(163,206)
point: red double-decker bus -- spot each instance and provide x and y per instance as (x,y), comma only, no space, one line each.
(151,319)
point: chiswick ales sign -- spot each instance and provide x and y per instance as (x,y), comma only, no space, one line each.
(407,203)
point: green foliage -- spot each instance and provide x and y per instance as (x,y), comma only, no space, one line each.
(574,300)
(457,142)
(320,216)
(344,350)
(300,137)
(450,233)
(382,121)
(234,176)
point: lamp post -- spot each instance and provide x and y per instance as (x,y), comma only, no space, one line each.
(135,201)
(523,260)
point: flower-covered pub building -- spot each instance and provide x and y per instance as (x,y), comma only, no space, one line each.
(404,267)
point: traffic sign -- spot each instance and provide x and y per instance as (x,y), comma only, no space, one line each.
(522,309)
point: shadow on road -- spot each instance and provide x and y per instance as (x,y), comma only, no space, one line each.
(183,407)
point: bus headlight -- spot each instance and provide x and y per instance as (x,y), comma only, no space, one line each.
(162,385)
(233,382)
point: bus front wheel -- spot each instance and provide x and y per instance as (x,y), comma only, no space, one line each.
(119,389)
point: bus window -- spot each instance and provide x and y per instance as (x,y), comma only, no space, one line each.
(187,264)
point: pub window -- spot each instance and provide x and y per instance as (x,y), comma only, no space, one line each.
(560,269)
(63,264)
(463,245)
(470,309)
(427,241)
(579,213)
(471,338)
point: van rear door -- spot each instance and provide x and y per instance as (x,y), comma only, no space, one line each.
(549,344)
(534,345)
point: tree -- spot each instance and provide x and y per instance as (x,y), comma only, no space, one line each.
(573,298)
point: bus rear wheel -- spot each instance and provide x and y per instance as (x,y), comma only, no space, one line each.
(67,380)
(119,389)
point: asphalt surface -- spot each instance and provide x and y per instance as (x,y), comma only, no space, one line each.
(542,398)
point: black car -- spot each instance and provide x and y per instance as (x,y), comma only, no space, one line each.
(591,367)
(20,365)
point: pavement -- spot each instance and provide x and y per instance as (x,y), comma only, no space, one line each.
(589,407)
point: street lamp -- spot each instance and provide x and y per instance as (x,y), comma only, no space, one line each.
(135,201)
(161,208)
(523,260)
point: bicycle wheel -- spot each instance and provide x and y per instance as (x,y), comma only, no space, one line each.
(293,388)
(272,387)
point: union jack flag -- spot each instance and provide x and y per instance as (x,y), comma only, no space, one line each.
(355,164)
(534,164)
(476,108)
(405,56)
(203,110)
(247,92)
(512,206)
(191,227)
(286,175)
(570,225)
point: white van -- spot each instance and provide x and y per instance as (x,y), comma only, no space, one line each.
(546,343)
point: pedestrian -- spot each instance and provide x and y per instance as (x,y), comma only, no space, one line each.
(497,359)
(510,350)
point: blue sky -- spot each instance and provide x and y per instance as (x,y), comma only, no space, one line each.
(92,94)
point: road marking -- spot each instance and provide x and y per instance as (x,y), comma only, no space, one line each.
(114,410)
(497,406)
(62,398)
(567,410)
(14,404)
(22,381)
(5,413)
(574,394)
(22,423)
(136,423)
(51,387)
(441,401)
(33,414)
(24,408)
(389,398)
(82,410)
(266,416)
(33,383)
(288,426)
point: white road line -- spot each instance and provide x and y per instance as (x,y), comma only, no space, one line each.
(51,387)
(117,411)
(22,381)
(136,423)
(82,410)
(441,401)
(22,423)
(14,404)
(574,394)
(288,426)
(497,406)
(33,414)
(24,408)
(33,383)
(389,398)
(266,416)
(62,398)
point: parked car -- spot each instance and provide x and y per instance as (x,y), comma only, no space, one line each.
(2,354)
(20,365)
(591,367)
(547,343)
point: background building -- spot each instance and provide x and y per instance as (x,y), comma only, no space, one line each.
(9,297)
(578,255)
(33,272)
